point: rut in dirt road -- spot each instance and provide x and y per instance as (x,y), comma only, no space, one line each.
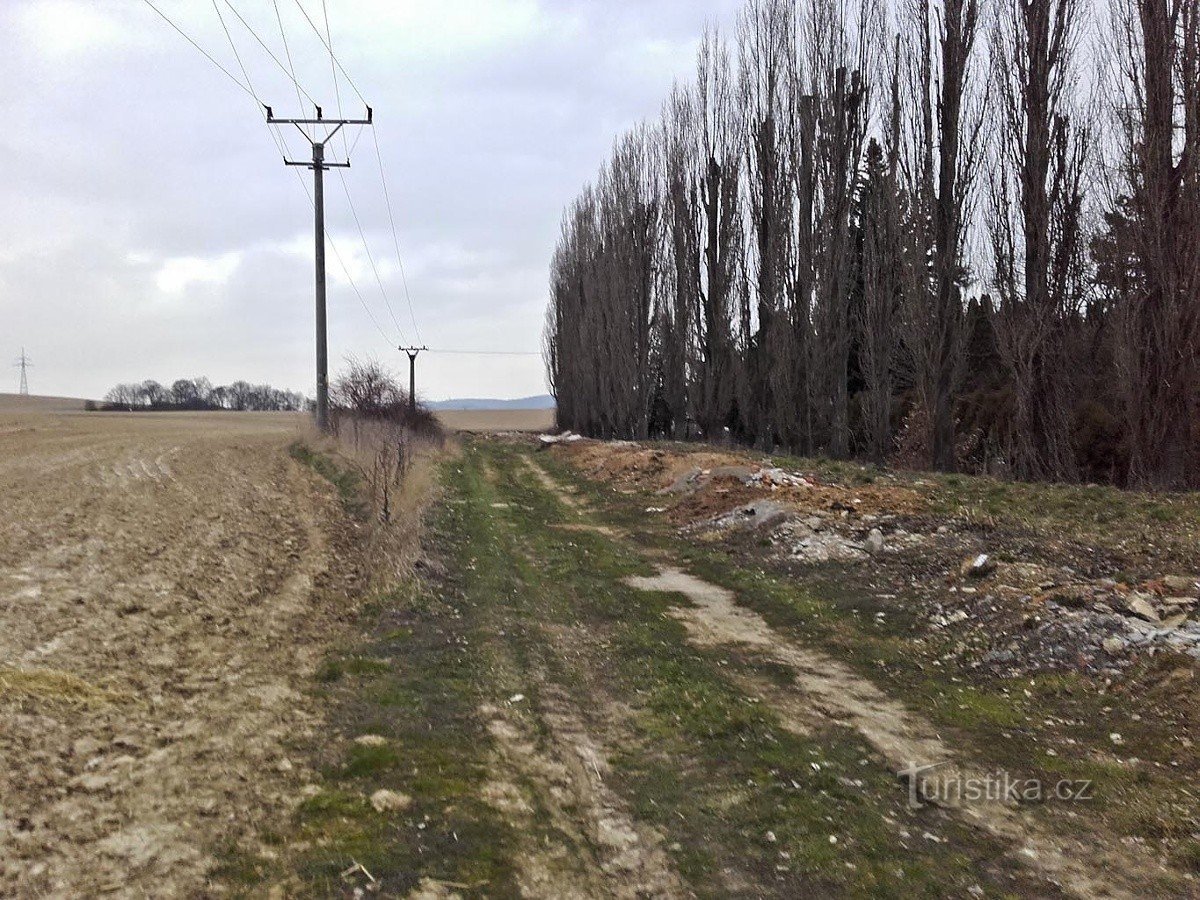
(625,860)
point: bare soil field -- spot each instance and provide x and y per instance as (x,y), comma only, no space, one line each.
(495,420)
(24,403)
(162,607)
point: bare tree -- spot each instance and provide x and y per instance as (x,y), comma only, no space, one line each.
(832,121)
(1035,221)
(1151,254)
(941,163)
(772,385)
(720,156)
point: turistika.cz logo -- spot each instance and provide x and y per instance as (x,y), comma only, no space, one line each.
(955,788)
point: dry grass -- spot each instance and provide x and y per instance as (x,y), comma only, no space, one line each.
(27,687)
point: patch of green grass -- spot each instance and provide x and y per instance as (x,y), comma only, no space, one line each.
(366,760)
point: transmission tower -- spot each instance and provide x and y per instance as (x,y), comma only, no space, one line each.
(23,363)
(318,166)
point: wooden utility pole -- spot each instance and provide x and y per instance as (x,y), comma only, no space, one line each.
(412,352)
(318,166)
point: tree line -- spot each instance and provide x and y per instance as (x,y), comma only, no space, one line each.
(200,394)
(947,232)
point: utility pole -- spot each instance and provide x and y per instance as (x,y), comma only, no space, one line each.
(412,352)
(23,363)
(318,166)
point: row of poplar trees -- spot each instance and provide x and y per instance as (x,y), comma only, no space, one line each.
(963,232)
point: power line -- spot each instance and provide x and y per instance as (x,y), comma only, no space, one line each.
(337,92)
(485,352)
(336,64)
(288,52)
(333,64)
(276,138)
(321,37)
(395,236)
(370,258)
(203,52)
(275,58)
(248,89)
(279,144)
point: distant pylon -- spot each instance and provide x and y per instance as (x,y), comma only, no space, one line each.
(23,363)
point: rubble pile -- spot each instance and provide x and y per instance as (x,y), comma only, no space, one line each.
(1007,625)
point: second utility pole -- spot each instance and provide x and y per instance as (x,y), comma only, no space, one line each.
(412,376)
(318,166)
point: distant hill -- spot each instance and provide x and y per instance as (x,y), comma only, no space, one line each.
(542,401)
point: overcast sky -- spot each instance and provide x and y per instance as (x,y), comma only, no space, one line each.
(150,229)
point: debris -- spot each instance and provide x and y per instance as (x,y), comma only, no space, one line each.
(567,437)
(978,566)
(1116,738)
(370,740)
(516,698)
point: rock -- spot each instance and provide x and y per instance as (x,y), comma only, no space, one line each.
(383,801)
(370,740)
(874,543)
(1139,605)
(978,566)
(1185,585)
(1116,738)
(760,514)
(1175,620)
(567,437)
(1113,645)
(1179,603)
(814,522)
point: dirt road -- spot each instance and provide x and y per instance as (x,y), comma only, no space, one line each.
(159,618)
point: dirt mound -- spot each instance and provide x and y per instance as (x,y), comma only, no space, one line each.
(702,484)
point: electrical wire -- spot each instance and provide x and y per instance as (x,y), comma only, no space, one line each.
(487,352)
(271,54)
(342,264)
(280,144)
(371,258)
(336,64)
(203,52)
(337,91)
(395,237)
(321,37)
(288,52)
